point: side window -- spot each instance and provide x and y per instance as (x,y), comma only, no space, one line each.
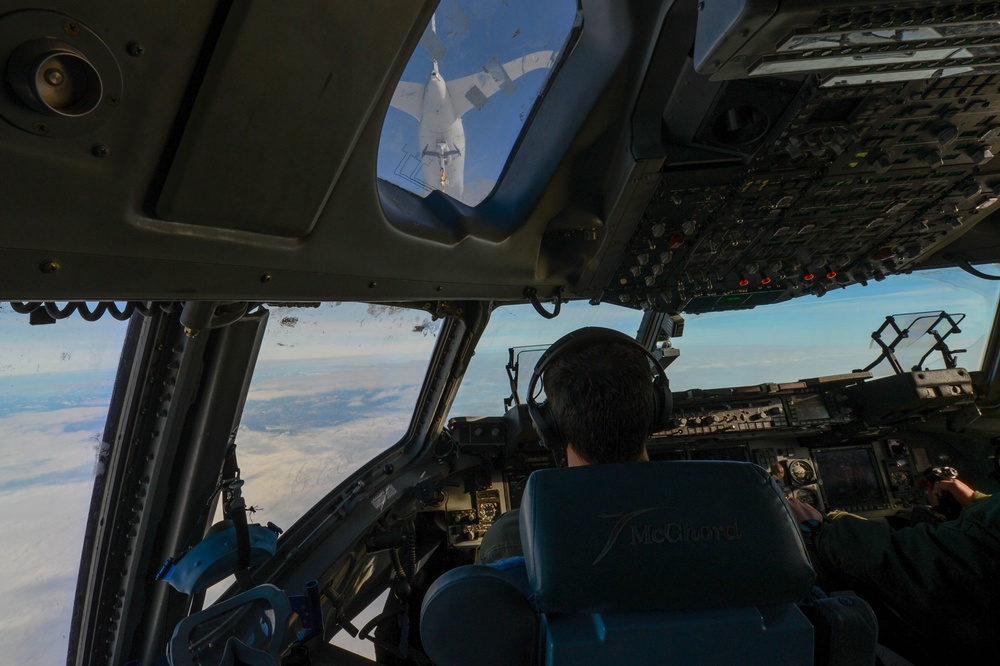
(334,386)
(55,387)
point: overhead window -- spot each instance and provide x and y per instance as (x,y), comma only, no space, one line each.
(467,91)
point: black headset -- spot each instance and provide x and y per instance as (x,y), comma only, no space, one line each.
(540,412)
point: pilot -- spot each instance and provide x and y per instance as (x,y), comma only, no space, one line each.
(602,404)
(935,588)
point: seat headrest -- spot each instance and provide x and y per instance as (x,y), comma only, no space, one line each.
(477,613)
(660,536)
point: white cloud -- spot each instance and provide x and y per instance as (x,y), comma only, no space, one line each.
(44,523)
(287,473)
(39,560)
(317,376)
(45,446)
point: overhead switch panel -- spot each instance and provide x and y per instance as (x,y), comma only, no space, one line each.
(855,184)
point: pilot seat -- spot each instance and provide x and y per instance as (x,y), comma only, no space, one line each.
(660,562)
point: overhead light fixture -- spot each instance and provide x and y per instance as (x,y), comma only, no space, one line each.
(58,79)
(54,78)
(878,42)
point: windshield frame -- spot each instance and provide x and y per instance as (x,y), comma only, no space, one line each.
(155,452)
(338,522)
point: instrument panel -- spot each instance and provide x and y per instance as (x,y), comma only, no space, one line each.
(825,440)
(871,479)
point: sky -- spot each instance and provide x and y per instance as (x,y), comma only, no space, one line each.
(29,350)
(474,33)
(336,385)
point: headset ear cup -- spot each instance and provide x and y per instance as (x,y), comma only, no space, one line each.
(664,402)
(545,424)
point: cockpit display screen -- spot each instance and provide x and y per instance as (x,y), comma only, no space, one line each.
(810,408)
(849,478)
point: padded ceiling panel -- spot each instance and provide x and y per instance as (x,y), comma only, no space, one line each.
(271,127)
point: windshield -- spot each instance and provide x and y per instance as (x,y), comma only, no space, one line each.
(486,384)
(56,383)
(466,93)
(804,337)
(334,386)
(812,337)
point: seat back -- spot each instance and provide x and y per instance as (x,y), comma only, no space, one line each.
(672,562)
(675,562)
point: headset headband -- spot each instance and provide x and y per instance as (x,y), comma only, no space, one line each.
(540,413)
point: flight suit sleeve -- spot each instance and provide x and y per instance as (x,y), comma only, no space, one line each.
(945,573)
(502,540)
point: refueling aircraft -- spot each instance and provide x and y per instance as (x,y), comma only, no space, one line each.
(268,348)
(439,105)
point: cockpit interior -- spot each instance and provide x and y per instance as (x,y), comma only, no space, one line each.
(274,278)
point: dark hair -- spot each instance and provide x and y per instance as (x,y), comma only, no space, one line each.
(602,398)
